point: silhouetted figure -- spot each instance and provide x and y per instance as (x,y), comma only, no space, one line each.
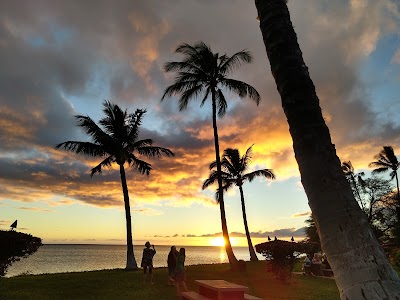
(13,225)
(307,265)
(171,262)
(147,261)
(316,265)
(179,273)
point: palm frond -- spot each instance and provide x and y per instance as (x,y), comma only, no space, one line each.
(86,148)
(115,120)
(213,165)
(241,89)
(181,66)
(246,158)
(189,94)
(178,87)
(210,180)
(225,188)
(221,103)
(380,170)
(235,61)
(135,121)
(93,130)
(267,173)
(231,161)
(105,163)
(153,151)
(140,165)
(206,94)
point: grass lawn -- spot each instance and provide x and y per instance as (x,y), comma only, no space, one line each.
(120,284)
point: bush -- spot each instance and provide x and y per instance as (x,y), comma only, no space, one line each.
(14,246)
(281,256)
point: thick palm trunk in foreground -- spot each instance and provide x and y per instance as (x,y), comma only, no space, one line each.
(253,255)
(130,257)
(361,269)
(228,247)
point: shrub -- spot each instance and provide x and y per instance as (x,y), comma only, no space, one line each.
(281,255)
(14,246)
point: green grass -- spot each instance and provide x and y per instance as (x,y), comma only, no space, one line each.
(120,284)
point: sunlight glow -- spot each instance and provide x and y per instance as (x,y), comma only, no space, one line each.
(218,241)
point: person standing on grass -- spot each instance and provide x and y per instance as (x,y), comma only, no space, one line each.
(147,261)
(171,262)
(179,273)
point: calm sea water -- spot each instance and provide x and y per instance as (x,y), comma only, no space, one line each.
(77,258)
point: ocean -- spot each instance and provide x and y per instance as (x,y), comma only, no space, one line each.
(78,258)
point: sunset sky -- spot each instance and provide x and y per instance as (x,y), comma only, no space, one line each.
(62,58)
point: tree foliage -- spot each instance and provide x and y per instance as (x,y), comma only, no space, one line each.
(117,141)
(312,233)
(281,255)
(14,246)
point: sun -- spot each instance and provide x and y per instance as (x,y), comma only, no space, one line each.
(217,241)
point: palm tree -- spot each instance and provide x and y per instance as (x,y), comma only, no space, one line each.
(204,73)
(386,160)
(117,142)
(348,171)
(358,261)
(233,168)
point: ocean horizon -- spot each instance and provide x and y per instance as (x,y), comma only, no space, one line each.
(64,258)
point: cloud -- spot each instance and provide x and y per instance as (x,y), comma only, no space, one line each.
(279,233)
(56,63)
(148,211)
(34,209)
(303,214)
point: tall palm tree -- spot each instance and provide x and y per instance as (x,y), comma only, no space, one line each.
(204,73)
(117,142)
(233,173)
(355,179)
(361,268)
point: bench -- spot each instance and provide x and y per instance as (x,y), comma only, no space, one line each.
(193,296)
(327,272)
(250,297)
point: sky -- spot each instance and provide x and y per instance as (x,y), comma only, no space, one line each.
(63,58)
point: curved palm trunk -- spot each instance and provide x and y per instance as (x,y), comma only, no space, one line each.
(228,247)
(253,255)
(130,256)
(361,268)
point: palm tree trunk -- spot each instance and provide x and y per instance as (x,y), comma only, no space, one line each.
(130,256)
(398,191)
(358,193)
(253,255)
(361,268)
(228,247)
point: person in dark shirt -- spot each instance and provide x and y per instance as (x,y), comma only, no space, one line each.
(179,273)
(147,261)
(171,262)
